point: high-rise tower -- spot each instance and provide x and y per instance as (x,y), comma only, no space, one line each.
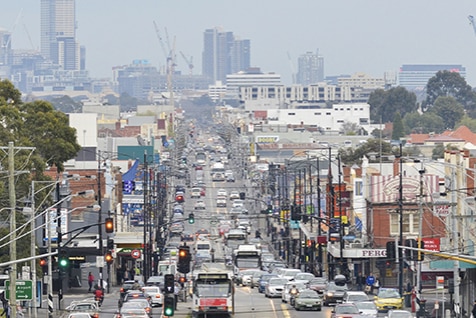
(58,33)
(310,68)
(223,54)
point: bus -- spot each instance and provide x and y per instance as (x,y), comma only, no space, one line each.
(213,293)
(246,256)
(218,167)
(234,238)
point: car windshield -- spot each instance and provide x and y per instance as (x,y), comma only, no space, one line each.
(400,314)
(388,293)
(333,286)
(278,281)
(317,281)
(308,294)
(365,305)
(344,309)
(303,276)
(266,278)
(352,298)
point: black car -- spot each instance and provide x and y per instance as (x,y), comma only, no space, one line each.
(334,293)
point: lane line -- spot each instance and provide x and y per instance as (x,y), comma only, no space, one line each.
(286,313)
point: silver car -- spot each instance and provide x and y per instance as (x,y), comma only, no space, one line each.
(275,287)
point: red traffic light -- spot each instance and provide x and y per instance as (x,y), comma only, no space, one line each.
(43,262)
(182,279)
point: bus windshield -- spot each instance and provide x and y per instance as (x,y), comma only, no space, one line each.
(212,288)
(247,262)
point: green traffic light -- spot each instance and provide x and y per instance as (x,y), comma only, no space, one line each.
(191,218)
(169,311)
(63,262)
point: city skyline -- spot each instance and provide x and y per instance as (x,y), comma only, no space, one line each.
(353,36)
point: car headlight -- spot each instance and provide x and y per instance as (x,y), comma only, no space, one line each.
(330,294)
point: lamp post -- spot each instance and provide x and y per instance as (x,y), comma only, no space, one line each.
(400,211)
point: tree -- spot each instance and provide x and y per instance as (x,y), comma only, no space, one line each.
(66,104)
(349,156)
(415,123)
(468,122)
(449,110)
(398,131)
(349,128)
(384,104)
(445,84)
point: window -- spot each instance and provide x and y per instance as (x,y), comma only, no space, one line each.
(410,222)
(358,188)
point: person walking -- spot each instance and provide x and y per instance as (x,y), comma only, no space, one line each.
(90,281)
(360,281)
(473,312)
(369,283)
(176,293)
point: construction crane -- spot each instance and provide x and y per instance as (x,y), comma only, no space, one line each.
(170,61)
(189,62)
(293,70)
(471,21)
(162,45)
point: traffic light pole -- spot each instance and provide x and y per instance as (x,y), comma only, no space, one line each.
(101,247)
(58,242)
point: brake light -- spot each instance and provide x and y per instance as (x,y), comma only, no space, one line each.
(122,290)
(157,296)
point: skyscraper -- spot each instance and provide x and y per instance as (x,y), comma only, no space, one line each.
(224,54)
(310,68)
(58,33)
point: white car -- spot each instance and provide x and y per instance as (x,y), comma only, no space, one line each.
(222,193)
(234,195)
(286,296)
(200,205)
(221,202)
(238,203)
(156,296)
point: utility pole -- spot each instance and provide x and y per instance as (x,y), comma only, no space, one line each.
(101,247)
(399,254)
(13,225)
(10,150)
(456,278)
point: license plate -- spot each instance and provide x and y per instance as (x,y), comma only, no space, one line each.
(308,305)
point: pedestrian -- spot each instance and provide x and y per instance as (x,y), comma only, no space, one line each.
(360,281)
(473,312)
(376,285)
(90,281)
(176,293)
(369,283)
(137,271)
(408,294)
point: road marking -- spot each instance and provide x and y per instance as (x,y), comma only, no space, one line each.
(286,313)
(274,308)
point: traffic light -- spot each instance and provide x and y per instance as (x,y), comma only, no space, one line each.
(410,254)
(420,255)
(169,305)
(269,209)
(295,213)
(63,260)
(169,283)
(242,195)
(182,279)
(184,260)
(109,224)
(191,218)
(391,249)
(110,244)
(388,264)
(179,198)
(44,265)
(108,257)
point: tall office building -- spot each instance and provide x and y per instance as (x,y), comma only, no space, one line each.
(58,33)
(310,68)
(224,54)
(5,47)
(414,77)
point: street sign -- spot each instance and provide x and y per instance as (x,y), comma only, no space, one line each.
(24,289)
(135,254)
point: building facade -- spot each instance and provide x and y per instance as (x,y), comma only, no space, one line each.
(416,76)
(223,54)
(310,68)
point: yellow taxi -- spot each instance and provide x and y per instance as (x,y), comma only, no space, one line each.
(388,298)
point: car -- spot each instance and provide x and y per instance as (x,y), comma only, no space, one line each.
(199,205)
(234,195)
(244,277)
(131,295)
(176,227)
(221,202)
(133,313)
(179,197)
(89,306)
(289,273)
(348,310)
(255,278)
(367,308)
(399,314)
(195,193)
(303,277)
(308,300)
(351,296)
(286,296)
(388,298)
(218,177)
(275,287)
(156,296)
(157,281)
(238,203)
(334,293)
(222,193)
(78,315)
(229,176)
(128,285)
(263,281)
(143,303)
(318,284)
(236,210)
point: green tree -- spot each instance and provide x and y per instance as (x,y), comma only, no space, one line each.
(384,104)
(445,84)
(449,110)
(425,123)
(398,131)
(349,156)
(468,122)
(66,104)
(349,129)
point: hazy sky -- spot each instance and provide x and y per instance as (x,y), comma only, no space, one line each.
(371,36)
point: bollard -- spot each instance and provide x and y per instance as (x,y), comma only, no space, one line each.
(413,301)
(447,313)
